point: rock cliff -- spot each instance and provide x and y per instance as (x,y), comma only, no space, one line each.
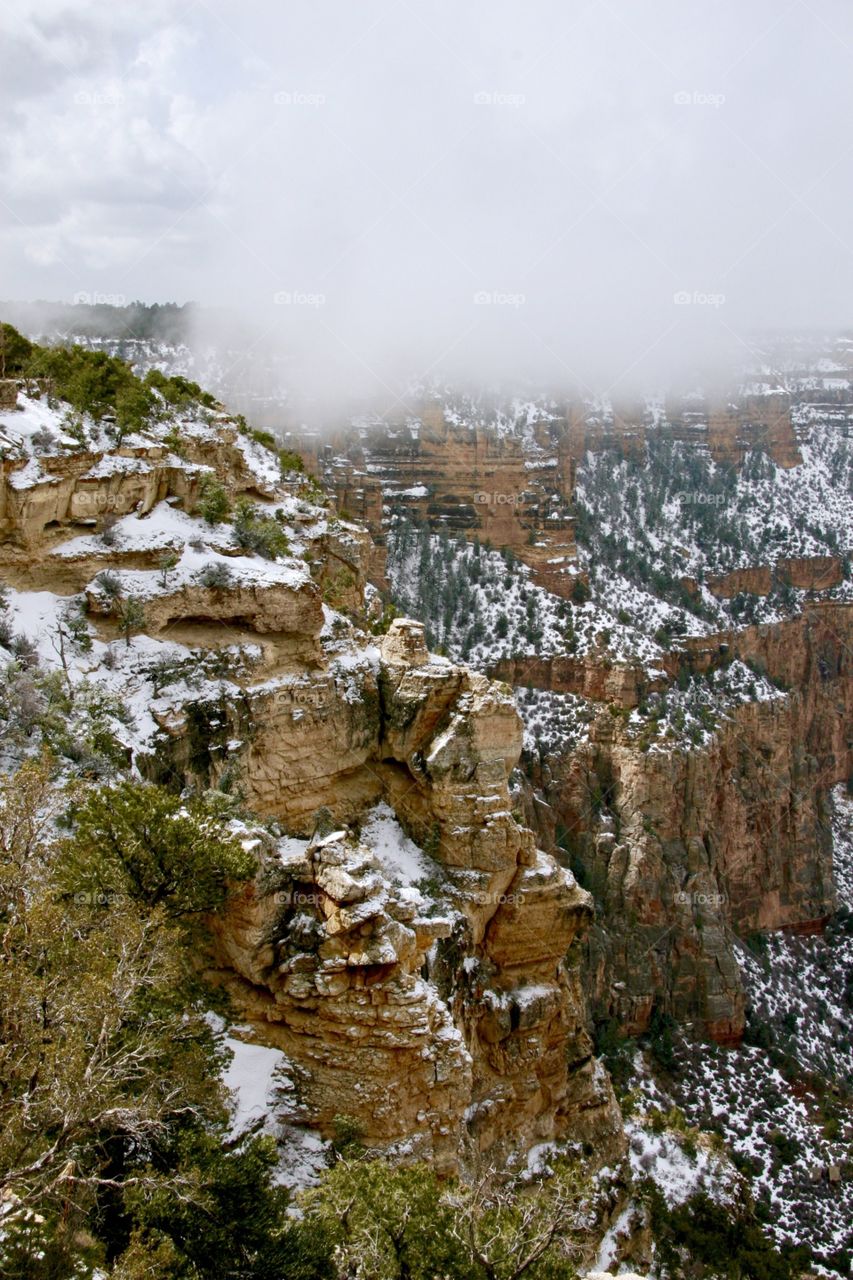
(690,850)
(446,1013)
(404,942)
(71,485)
(510,482)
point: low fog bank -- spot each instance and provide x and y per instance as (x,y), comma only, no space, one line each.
(598,198)
(282,375)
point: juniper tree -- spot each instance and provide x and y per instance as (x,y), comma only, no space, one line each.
(115,1151)
(166,564)
(131,617)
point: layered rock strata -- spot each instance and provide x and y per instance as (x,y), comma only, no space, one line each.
(41,496)
(429,991)
(689,851)
(449,1015)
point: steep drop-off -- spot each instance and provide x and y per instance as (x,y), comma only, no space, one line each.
(405,942)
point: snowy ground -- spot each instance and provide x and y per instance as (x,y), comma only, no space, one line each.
(782,1103)
(480,605)
(264,1097)
(675,514)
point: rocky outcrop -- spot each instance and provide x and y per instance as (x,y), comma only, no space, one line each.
(804,652)
(290,608)
(806,573)
(754,580)
(342,560)
(327,966)
(430,991)
(41,496)
(623,430)
(444,1015)
(592,677)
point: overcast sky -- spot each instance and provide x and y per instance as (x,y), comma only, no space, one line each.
(582,190)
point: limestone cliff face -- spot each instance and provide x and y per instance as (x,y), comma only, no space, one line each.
(807,573)
(593,677)
(758,421)
(41,496)
(515,489)
(513,492)
(688,850)
(262,606)
(727,430)
(429,990)
(457,1023)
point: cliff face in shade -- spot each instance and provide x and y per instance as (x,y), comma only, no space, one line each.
(689,850)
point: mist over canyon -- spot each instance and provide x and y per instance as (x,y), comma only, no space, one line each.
(426,618)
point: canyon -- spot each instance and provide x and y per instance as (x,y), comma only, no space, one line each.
(689,852)
(444,1014)
(693,851)
(452,905)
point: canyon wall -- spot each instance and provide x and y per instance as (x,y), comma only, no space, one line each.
(510,490)
(430,992)
(449,1018)
(514,488)
(727,430)
(806,573)
(689,850)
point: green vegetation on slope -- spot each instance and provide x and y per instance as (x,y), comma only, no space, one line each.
(100,385)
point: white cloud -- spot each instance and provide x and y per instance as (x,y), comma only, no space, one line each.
(399,157)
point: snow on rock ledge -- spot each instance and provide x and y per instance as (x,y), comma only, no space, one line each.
(266,596)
